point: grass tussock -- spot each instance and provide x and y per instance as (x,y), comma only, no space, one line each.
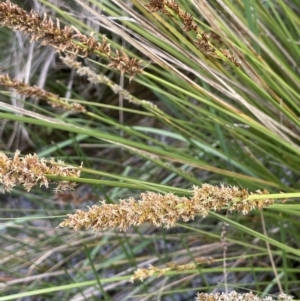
(145,99)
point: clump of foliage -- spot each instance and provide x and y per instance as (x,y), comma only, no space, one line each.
(150,98)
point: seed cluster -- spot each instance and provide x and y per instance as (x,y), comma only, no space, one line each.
(67,39)
(30,171)
(163,210)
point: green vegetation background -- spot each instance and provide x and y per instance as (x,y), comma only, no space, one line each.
(195,119)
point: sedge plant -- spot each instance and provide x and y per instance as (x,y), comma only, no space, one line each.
(150,150)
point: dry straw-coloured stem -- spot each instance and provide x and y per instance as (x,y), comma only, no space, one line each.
(164,210)
(67,39)
(33,91)
(234,296)
(30,171)
(168,8)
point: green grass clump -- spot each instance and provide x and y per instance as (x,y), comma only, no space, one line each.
(182,118)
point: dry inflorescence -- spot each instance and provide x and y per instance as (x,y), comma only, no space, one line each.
(67,39)
(164,210)
(33,91)
(30,171)
(95,78)
(141,274)
(202,41)
(234,296)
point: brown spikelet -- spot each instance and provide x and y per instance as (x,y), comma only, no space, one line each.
(171,8)
(156,5)
(124,64)
(66,39)
(53,99)
(47,32)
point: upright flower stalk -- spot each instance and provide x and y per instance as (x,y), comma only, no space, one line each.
(164,210)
